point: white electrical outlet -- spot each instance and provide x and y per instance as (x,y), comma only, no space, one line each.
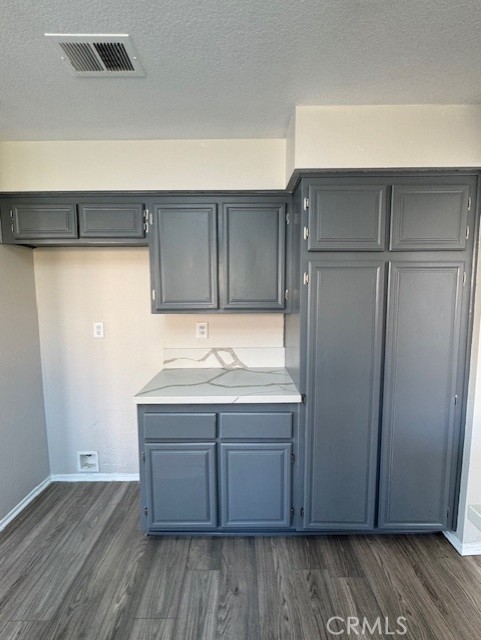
(88,461)
(98,329)
(201,329)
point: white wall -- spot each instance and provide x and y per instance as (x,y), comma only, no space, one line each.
(387,136)
(142,165)
(24,458)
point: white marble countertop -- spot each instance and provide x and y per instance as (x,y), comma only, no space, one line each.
(219,386)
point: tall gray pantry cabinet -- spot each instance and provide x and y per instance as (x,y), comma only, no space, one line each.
(376,339)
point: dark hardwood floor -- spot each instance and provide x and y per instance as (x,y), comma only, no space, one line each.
(74,565)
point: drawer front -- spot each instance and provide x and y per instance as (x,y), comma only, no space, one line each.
(258,426)
(179,426)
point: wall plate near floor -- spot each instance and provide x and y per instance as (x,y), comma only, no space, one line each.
(88,461)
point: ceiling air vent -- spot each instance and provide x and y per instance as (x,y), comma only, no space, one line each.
(97,55)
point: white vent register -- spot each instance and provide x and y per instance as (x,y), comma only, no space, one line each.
(97,55)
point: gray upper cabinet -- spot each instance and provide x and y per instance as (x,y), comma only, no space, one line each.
(420,414)
(255,485)
(181,486)
(31,221)
(429,216)
(346,216)
(253,245)
(73,220)
(184,257)
(111,220)
(345,336)
(218,254)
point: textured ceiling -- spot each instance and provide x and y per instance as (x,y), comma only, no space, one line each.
(232,68)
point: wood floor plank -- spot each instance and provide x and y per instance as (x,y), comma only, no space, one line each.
(158,629)
(204,554)
(197,611)
(166,564)
(19,630)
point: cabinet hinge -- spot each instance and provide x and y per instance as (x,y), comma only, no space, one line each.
(306,233)
(302,512)
(303,398)
(11,227)
(146,214)
(146,511)
(306,203)
(288,218)
(292,512)
(455,400)
(464,279)
(153,295)
(293,458)
(469,203)
(11,214)
(467,232)
(146,227)
(286,294)
(305,278)
(143,456)
(146,220)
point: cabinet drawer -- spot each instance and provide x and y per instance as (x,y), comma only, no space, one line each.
(259,426)
(179,426)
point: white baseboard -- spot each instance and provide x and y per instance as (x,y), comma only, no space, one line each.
(94,477)
(24,503)
(463,548)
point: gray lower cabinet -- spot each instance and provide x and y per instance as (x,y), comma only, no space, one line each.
(181,486)
(255,485)
(217,468)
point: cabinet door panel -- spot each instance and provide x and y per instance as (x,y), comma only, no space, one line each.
(181,486)
(111,221)
(253,256)
(343,389)
(44,221)
(422,347)
(185,257)
(256,485)
(347,217)
(429,217)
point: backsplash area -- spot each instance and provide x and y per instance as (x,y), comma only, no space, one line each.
(224,358)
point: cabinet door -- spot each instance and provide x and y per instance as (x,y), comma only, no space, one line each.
(255,485)
(422,344)
(344,360)
(184,257)
(347,217)
(428,216)
(44,221)
(180,486)
(111,220)
(253,258)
